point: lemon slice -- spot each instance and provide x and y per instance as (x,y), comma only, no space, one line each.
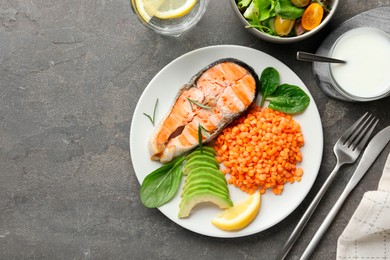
(174,8)
(148,8)
(240,215)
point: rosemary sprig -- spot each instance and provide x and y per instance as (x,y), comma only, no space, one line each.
(200,138)
(201,129)
(197,104)
(152,119)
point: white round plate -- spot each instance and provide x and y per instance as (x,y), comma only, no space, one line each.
(164,87)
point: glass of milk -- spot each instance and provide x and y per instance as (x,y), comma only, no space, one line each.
(366,74)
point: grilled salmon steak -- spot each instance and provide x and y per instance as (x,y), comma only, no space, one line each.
(213,98)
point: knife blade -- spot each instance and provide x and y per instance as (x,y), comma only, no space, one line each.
(373,149)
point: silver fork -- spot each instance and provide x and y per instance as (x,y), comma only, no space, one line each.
(347,149)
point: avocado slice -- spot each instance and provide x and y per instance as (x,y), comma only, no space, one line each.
(203,174)
(205,184)
(204,190)
(202,169)
(204,177)
(198,163)
(194,198)
(199,158)
(199,152)
(206,148)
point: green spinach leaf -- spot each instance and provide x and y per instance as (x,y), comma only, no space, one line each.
(269,81)
(286,98)
(289,99)
(161,185)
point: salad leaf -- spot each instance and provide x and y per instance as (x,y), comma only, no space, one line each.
(271,26)
(266,8)
(161,185)
(243,3)
(269,81)
(252,12)
(259,13)
(289,99)
(286,10)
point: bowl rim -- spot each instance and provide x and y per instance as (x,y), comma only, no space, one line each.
(278,39)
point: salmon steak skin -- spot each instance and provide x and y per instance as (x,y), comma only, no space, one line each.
(212,99)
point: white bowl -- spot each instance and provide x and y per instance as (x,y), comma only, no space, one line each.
(279,39)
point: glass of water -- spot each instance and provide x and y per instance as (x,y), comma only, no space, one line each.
(171,26)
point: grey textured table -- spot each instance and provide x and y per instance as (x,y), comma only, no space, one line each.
(71,73)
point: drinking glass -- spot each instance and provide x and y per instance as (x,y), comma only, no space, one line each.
(174,26)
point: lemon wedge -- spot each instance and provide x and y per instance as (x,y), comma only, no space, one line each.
(174,8)
(240,215)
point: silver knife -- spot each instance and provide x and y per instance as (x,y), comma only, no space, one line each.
(374,148)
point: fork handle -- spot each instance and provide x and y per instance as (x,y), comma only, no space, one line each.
(306,216)
(325,224)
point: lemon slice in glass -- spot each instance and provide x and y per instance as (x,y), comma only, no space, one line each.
(170,9)
(148,8)
(240,215)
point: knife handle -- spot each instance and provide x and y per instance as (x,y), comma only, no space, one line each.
(306,216)
(326,223)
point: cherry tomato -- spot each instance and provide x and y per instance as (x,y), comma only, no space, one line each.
(312,16)
(283,26)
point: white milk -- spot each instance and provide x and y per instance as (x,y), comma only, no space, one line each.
(367,71)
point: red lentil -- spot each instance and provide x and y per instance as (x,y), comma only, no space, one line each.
(260,150)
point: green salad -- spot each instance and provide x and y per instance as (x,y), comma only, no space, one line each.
(284,18)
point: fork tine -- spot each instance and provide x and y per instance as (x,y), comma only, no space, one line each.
(351,129)
(358,133)
(363,142)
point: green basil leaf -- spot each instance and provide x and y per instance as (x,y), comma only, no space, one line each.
(161,185)
(269,81)
(289,99)
(286,10)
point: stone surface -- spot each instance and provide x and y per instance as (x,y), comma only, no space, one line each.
(71,73)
